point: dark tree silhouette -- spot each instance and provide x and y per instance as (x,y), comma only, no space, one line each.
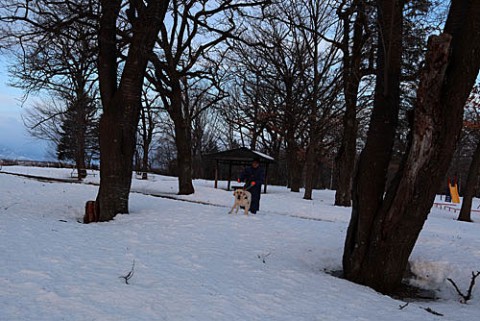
(121,91)
(385,225)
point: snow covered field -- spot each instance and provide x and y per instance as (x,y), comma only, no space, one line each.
(195,262)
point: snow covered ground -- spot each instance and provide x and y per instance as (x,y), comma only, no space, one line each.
(195,262)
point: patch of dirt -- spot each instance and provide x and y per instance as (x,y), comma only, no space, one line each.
(410,293)
(406,292)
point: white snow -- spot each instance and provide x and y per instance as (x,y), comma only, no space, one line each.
(195,262)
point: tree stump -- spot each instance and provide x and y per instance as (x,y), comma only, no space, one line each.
(91,212)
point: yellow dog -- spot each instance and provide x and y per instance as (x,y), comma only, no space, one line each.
(243,198)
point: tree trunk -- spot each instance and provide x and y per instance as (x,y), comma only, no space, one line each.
(383,229)
(184,160)
(80,152)
(295,169)
(294,159)
(145,167)
(80,164)
(117,148)
(121,98)
(370,179)
(310,169)
(345,160)
(146,131)
(470,186)
(183,141)
(81,133)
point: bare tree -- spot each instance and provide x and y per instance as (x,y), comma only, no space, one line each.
(79,133)
(358,64)
(55,52)
(353,18)
(276,71)
(43,120)
(285,88)
(196,28)
(385,226)
(313,21)
(203,96)
(121,93)
(146,130)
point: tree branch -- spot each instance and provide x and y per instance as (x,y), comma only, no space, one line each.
(468,296)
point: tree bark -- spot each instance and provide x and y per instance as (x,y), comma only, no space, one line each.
(352,59)
(313,122)
(81,131)
(383,229)
(295,161)
(347,153)
(121,100)
(370,180)
(295,157)
(470,186)
(80,153)
(146,131)
(117,147)
(183,140)
(310,169)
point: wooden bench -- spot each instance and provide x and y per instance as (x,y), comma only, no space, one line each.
(141,175)
(74,173)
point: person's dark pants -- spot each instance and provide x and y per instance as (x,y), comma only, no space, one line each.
(255,191)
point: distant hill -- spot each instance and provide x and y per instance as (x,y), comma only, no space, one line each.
(23,154)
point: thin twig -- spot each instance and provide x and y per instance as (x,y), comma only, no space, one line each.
(467,296)
(264,256)
(432,312)
(129,274)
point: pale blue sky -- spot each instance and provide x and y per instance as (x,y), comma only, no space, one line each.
(13,135)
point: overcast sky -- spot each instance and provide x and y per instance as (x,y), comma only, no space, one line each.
(13,135)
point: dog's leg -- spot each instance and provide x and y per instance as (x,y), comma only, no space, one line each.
(233,207)
(247,207)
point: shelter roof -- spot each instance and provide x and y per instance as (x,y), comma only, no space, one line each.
(242,154)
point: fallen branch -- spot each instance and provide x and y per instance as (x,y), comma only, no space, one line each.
(263,256)
(432,311)
(401,307)
(468,296)
(129,274)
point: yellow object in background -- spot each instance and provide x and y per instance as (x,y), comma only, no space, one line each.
(454,193)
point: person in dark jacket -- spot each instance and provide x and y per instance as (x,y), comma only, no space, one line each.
(254,177)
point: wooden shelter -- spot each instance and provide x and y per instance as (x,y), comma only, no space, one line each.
(242,156)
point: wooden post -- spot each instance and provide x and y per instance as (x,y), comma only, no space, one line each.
(91,212)
(229,174)
(216,173)
(266,179)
